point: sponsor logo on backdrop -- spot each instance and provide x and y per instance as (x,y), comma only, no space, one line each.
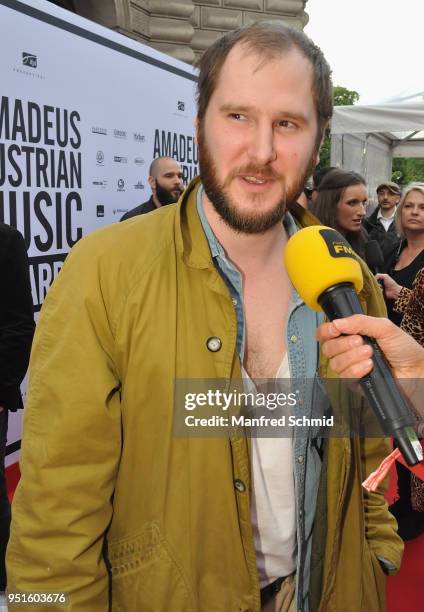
(119,159)
(139,161)
(100,158)
(100,210)
(121,185)
(139,185)
(99,130)
(28,59)
(119,211)
(120,134)
(100,183)
(139,137)
(181,105)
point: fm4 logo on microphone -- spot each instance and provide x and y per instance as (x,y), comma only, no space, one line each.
(337,245)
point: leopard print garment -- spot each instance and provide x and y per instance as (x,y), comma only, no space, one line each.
(411,303)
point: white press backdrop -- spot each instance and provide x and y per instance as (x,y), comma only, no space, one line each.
(83,111)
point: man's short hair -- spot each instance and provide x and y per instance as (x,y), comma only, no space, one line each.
(152,168)
(267,40)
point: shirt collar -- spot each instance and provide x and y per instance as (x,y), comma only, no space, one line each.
(214,245)
(380,216)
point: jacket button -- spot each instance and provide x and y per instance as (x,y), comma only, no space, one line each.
(214,344)
(300,459)
(239,485)
(293,338)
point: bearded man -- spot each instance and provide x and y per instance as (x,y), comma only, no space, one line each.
(166,182)
(115,506)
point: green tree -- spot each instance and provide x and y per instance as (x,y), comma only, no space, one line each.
(407,169)
(341,97)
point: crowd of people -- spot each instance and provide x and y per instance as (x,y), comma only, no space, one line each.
(397,224)
(112,506)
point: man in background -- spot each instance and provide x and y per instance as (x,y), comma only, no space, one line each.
(166,182)
(380,225)
(16,331)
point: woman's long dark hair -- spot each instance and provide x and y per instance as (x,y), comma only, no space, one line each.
(330,192)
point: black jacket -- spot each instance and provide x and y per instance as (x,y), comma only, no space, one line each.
(388,240)
(140,210)
(16,316)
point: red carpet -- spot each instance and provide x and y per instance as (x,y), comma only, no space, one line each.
(404,591)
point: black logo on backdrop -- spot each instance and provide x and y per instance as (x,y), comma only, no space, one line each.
(139,161)
(121,185)
(119,159)
(100,210)
(28,59)
(181,105)
(139,137)
(100,183)
(120,134)
(139,185)
(99,130)
(100,158)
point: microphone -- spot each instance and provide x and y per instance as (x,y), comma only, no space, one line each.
(325,271)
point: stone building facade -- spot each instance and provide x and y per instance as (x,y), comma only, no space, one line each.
(185,28)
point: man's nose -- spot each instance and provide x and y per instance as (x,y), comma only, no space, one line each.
(262,145)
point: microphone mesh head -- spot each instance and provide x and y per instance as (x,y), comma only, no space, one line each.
(317,258)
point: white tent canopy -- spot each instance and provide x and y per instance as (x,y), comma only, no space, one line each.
(401,124)
(367,138)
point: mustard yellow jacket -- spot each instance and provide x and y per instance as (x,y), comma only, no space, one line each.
(130,312)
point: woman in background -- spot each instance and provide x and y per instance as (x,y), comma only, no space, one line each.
(341,204)
(406,261)
(404,295)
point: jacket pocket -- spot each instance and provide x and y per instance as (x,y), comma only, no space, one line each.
(373,582)
(146,576)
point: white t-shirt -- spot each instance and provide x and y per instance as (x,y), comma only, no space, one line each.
(386,221)
(273,510)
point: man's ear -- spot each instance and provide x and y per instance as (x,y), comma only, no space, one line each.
(196,130)
(152,182)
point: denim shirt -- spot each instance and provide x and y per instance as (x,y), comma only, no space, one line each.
(303,354)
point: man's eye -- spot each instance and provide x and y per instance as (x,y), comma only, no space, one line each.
(237,116)
(285,123)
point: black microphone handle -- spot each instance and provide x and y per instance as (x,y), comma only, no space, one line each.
(379,386)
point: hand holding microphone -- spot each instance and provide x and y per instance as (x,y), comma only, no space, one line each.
(326,273)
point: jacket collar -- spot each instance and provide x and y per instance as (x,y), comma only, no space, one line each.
(190,238)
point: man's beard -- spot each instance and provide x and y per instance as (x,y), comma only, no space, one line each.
(164,196)
(259,221)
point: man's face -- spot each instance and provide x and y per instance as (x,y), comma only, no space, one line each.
(167,183)
(387,200)
(257,142)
